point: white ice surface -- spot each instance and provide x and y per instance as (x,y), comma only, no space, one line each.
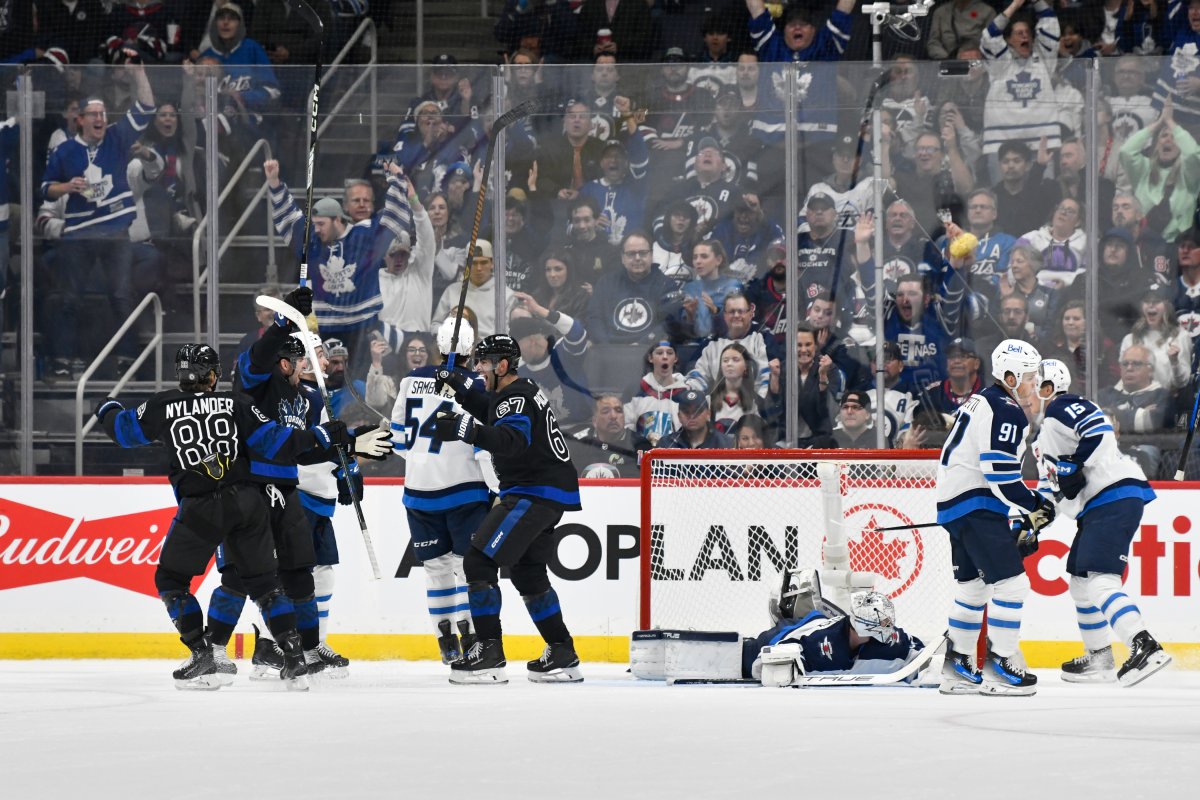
(101,729)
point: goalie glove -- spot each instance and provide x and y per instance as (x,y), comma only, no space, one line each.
(1071,479)
(105,407)
(352,489)
(454,427)
(371,441)
(452,380)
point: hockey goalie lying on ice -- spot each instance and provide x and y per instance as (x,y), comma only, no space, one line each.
(813,642)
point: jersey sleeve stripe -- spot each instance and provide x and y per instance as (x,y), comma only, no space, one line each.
(128,430)
(998,455)
(1100,430)
(521,423)
(268,438)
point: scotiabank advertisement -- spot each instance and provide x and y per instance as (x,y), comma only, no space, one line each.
(78,556)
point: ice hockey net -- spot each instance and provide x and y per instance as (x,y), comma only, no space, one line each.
(718,526)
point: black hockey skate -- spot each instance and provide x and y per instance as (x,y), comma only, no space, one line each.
(558,664)
(1146,657)
(1007,675)
(294,672)
(199,671)
(333,664)
(1094,666)
(466,637)
(482,663)
(960,674)
(448,643)
(267,659)
(226,669)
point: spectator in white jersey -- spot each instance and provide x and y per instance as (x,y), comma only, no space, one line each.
(652,413)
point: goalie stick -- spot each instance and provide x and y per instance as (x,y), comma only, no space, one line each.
(296,318)
(503,121)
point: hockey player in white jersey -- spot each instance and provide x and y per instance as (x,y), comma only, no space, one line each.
(978,481)
(1105,491)
(446,488)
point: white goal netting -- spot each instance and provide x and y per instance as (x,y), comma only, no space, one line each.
(719,526)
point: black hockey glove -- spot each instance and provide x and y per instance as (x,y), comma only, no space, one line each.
(349,490)
(451,427)
(1026,536)
(105,407)
(457,382)
(371,441)
(1071,479)
(331,433)
(301,299)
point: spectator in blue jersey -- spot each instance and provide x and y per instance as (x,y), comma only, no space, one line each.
(449,91)
(813,378)
(696,430)
(991,255)
(704,297)
(90,170)
(248,89)
(620,191)
(746,236)
(914,320)
(1179,78)
(342,268)
(431,153)
(730,128)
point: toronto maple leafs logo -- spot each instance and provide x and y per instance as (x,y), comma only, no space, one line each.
(1024,88)
(803,84)
(292,413)
(338,276)
(1185,60)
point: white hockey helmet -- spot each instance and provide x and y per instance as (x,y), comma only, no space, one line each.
(1015,356)
(1053,371)
(311,338)
(466,338)
(874,615)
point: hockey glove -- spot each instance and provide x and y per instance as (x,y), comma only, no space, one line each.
(1070,477)
(106,406)
(301,299)
(456,382)
(450,427)
(349,491)
(370,441)
(331,433)
(1026,536)
(1042,516)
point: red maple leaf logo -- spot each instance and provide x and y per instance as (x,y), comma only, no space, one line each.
(871,554)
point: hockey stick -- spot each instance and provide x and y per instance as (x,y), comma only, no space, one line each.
(886,679)
(308,15)
(923,525)
(503,121)
(384,421)
(1191,434)
(280,307)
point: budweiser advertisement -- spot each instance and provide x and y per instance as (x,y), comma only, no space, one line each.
(79,557)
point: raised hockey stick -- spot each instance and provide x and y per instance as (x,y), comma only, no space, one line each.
(280,307)
(885,679)
(1191,434)
(503,121)
(318,28)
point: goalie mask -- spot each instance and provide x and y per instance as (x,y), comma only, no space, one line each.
(873,615)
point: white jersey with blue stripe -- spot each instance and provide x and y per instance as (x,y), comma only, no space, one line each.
(1076,428)
(980,467)
(440,475)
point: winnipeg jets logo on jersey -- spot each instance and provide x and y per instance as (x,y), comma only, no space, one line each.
(1024,88)
(632,314)
(338,275)
(293,413)
(827,648)
(239,83)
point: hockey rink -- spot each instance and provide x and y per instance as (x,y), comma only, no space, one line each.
(396,729)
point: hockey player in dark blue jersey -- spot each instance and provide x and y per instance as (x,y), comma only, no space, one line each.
(978,481)
(514,422)
(1080,464)
(214,438)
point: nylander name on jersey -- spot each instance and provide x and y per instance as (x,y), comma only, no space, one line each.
(980,467)
(1076,428)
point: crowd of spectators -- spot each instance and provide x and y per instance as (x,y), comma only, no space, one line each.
(645,235)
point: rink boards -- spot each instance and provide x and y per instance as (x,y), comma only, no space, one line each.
(77,558)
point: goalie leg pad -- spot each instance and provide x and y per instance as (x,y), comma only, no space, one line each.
(647,655)
(702,655)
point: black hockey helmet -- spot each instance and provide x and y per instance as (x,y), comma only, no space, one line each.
(193,362)
(498,346)
(292,349)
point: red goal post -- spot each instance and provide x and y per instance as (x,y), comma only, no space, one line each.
(719,526)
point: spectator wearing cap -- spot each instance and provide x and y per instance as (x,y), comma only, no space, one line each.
(652,412)
(1157,330)
(461,192)
(768,295)
(628,24)
(696,430)
(588,242)
(452,93)
(740,149)
(954,24)
(708,191)
(550,28)
(962,377)
(565,163)
(674,239)
(606,448)
(1139,402)
(855,429)
(341,257)
(739,328)
(746,236)
(430,150)
(553,350)
(677,108)
(825,258)
(248,84)
(620,191)
(481,292)
(813,377)
(406,279)
(1187,286)
(899,398)
(734,395)
(524,244)
(1023,201)
(849,201)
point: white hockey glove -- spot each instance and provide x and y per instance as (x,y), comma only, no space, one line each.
(780,664)
(373,442)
